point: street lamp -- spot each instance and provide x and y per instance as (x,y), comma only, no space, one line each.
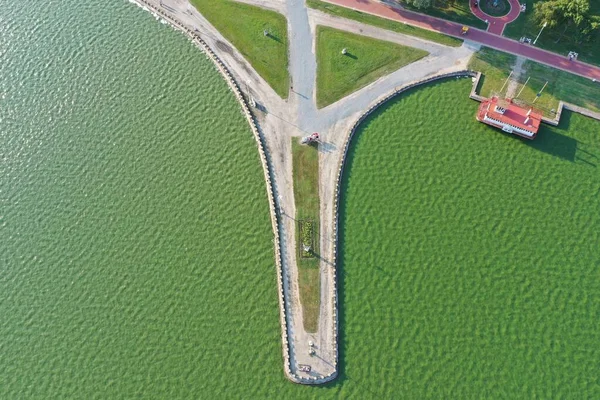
(538,36)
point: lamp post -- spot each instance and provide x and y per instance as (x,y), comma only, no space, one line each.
(538,36)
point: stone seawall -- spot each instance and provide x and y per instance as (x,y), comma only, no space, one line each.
(274,208)
(571,107)
(275,211)
(473,95)
(340,175)
(342,166)
(267,170)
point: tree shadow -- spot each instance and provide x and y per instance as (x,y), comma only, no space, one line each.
(550,141)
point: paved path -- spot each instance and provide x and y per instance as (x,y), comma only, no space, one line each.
(297,116)
(496,25)
(476,35)
(303,64)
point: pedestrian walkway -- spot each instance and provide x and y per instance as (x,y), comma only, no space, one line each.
(485,38)
(496,25)
(310,357)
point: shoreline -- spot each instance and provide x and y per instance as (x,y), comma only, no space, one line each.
(274,208)
(291,345)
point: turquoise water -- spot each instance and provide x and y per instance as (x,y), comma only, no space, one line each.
(137,257)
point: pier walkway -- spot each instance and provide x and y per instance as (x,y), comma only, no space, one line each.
(279,120)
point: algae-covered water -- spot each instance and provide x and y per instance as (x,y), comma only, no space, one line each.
(471,257)
(137,257)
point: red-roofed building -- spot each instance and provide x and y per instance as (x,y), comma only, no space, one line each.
(511,118)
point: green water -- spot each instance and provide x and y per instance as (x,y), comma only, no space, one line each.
(471,258)
(136,243)
(137,256)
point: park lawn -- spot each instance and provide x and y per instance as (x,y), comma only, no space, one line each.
(305,161)
(384,23)
(561,86)
(525,26)
(366,60)
(496,66)
(243,25)
(459,12)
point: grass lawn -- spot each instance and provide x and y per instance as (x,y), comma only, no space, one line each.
(243,25)
(496,66)
(383,23)
(367,59)
(562,86)
(305,161)
(457,12)
(526,26)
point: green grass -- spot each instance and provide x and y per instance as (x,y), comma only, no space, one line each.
(305,161)
(500,11)
(366,60)
(525,26)
(383,23)
(496,66)
(457,12)
(471,256)
(561,86)
(243,25)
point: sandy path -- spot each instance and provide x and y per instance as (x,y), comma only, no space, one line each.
(513,84)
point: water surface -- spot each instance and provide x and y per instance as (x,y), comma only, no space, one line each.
(137,255)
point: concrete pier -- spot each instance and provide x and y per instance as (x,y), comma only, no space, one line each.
(276,122)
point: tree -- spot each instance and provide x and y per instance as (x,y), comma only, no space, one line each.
(420,3)
(567,13)
(546,12)
(586,30)
(575,11)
